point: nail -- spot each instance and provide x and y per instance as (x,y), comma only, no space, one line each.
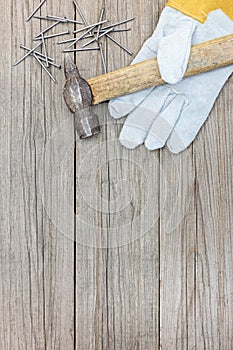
(36,9)
(73,21)
(66,41)
(118,23)
(56,18)
(53,35)
(36,52)
(82,49)
(101,35)
(61,19)
(90,26)
(119,44)
(44,60)
(47,29)
(80,12)
(102,57)
(81,37)
(99,26)
(46,70)
(45,51)
(27,54)
(52,18)
(120,30)
(42,57)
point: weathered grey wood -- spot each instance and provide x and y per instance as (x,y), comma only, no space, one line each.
(152,265)
(121,298)
(177,251)
(36,294)
(214,261)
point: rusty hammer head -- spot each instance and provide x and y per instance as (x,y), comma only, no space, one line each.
(78,97)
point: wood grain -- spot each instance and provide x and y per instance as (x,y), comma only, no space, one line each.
(37,289)
(204,57)
(152,265)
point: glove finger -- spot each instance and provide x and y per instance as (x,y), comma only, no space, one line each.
(164,124)
(174,51)
(121,106)
(138,123)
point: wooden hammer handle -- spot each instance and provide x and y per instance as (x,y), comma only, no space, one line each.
(204,57)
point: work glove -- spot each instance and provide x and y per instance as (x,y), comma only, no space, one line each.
(173,114)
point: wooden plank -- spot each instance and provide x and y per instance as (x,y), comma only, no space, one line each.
(117,240)
(5,224)
(152,265)
(37,286)
(204,57)
(177,251)
(214,266)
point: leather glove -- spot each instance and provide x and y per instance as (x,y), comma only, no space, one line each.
(173,113)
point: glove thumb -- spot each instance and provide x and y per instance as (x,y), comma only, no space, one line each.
(174,51)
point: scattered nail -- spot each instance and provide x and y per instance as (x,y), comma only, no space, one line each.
(46,70)
(36,52)
(62,19)
(119,44)
(45,50)
(47,29)
(119,23)
(66,41)
(81,37)
(100,36)
(44,60)
(80,12)
(82,49)
(27,54)
(36,9)
(90,26)
(53,35)
(99,26)
(102,57)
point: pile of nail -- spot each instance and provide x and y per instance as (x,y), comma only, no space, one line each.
(95,31)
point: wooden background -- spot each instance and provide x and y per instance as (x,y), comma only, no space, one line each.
(152,266)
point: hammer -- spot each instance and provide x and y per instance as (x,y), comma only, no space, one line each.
(81,94)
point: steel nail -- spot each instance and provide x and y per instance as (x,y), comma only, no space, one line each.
(81,37)
(45,50)
(63,20)
(36,52)
(56,18)
(53,35)
(66,41)
(46,70)
(73,21)
(120,30)
(47,29)
(102,57)
(44,60)
(118,23)
(27,54)
(119,44)
(101,35)
(36,9)
(80,12)
(99,26)
(90,26)
(82,49)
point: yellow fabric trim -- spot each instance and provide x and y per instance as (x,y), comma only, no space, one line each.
(199,9)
